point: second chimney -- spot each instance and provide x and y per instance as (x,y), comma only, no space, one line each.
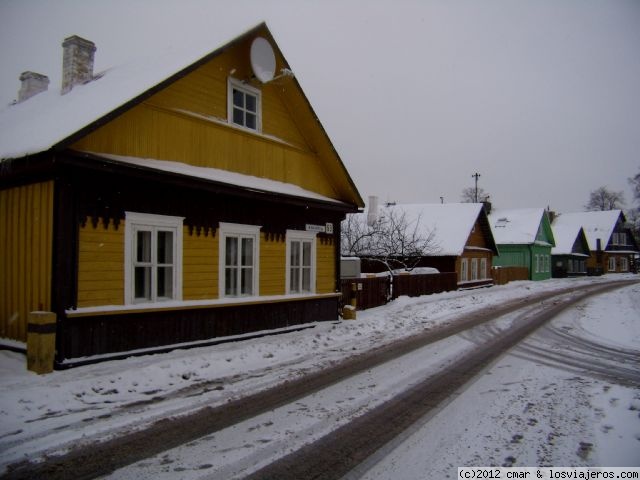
(77,62)
(372,211)
(32,84)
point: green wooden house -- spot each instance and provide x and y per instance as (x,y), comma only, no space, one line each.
(524,239)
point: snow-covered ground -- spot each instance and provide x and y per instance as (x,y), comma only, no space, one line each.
(529,408)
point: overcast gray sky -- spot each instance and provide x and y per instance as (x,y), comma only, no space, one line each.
(541,97)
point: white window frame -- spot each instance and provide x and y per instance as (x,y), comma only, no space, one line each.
(301,236)
(134,222)
(464,270)
(622,238)
(233,83)
(612,264)
(624,264)
(483,268)
(537,269)
(239,231)
(474,269)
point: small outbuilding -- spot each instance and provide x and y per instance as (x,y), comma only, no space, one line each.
(459,239)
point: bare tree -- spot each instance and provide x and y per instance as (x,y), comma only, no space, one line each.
(469,195)
(605,199)
(392,239)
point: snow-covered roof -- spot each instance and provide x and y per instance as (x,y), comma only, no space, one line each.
(516,227)
(48,118)
(565,237)
(596,225)
(450,223)
(221,176)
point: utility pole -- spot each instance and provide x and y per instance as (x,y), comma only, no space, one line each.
(476,176)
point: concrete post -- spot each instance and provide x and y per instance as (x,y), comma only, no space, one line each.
(41,342)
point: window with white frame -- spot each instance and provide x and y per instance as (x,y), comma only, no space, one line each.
(464,266)
(474,269)
(239,260)
(301,262)
(483,268)
(244,105)
(612,264)
(624,264)
(153,258)
(622,238)
(537,263)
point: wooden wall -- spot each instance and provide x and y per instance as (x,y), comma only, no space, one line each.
(187,122)
(101,265)
(476,237)
(199,266)
(326,267)
(26,236)
(272,265)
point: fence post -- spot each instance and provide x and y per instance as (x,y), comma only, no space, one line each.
(349,311)
(41,341)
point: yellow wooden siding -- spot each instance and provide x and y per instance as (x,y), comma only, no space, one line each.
(272,266)
(26,236)
(325,268)
(199,266)
(101,265)
(169,126)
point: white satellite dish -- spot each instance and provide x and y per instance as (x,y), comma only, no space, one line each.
(263,60)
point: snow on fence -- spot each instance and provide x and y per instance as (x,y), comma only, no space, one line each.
(376,291)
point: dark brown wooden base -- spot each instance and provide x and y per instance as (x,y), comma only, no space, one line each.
(121,332)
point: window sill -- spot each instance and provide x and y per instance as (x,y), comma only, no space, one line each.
(190,305)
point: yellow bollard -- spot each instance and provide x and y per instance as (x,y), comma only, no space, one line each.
(349,311)
(41,342)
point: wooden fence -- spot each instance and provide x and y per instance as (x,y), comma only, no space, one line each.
(377,291)
(417,285)
(504,275)
(370,292)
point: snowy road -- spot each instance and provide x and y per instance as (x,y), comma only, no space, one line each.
(243,447)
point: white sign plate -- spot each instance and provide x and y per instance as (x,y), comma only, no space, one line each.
(315,228)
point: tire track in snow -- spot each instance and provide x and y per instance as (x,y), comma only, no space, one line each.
(95,459)
(342,451)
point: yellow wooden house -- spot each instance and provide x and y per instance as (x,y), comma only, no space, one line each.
(168,202)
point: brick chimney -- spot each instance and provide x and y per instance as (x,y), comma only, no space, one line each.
(32,84)
(77,62)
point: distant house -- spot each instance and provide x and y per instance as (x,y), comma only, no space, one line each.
(461,239)
(525,239)
(168,201)
(610,242)
(569,256)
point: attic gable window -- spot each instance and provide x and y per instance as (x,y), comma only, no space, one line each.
(244,105)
